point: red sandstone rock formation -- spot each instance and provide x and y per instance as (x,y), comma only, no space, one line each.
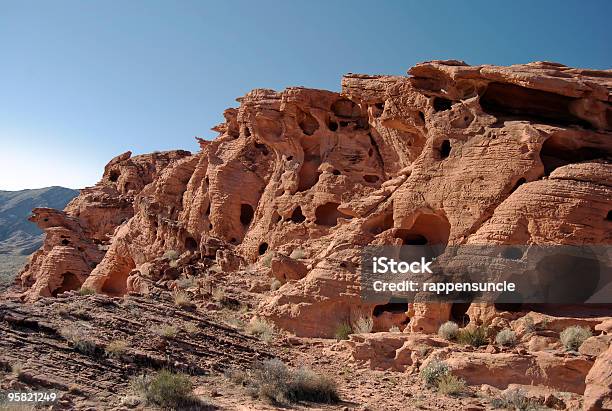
(452,154)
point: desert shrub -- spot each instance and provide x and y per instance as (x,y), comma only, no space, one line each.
(266,261)
(219,295)
(433,372)
(506,337)
(448,384)
(275,284)
(448,330)
(272,380)
(168,331)
(182,299)
(191,328)
(297,254)
(573,337)
(87,291)
(171,255)
(167,390)
(116,348)
(394,329)
(173,263)
(16,369)
(363,325)
(514,400)
(185,282)
(78,340)
(261,329)
(475,337)
(343,330)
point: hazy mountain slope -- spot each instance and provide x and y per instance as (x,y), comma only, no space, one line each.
(18,236)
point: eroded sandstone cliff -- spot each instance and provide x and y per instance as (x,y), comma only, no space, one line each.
(303,179)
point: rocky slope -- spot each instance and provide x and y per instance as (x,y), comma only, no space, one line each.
(18,237)
(299,181)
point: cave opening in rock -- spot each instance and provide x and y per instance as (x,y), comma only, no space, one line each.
(332,125)
(557,152)
(116,284)
(297,216)
(512,253)
(510,307)
(336,172)
(345,108)
(371,178)
(430,229)
(609,216)
(569,277)
(392,307)
(328,214)
(191,244)
(380,223)
(246,214)
(519,183)
(459,314)
(69,282)
(392,314)
(263,247)
(114,176)
(309,172)
(509,100)
(307,123)
(442,104)
(65,241)
(445,149)
(247,132)
(263,149)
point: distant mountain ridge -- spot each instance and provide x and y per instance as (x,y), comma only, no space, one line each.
(18,236)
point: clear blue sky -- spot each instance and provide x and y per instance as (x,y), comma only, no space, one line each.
(82,81)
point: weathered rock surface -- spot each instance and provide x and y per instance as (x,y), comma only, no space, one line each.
(598,393)
(450,155)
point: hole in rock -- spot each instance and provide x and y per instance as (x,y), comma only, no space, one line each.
(332,125)
(459,315)
(429,228)
(289,158)
(207,212)
(309,172)
(390,307)
(345,108)
(307,123)
(445,149)
(328,214)
(344,123)
(262,148)
(557,152)
(502,99)
(370,152)
(69,282)
(247,132)
(297,216)
(510,307)
(380,106)
(191,244)
(116,284)
(569,278)
(381,223)
(371,178)
(336,172)
(263,247)
(65,242)
(422,116)
(442,104)
(609,216)
(512,253)
(519,183)
(233,240)
(246,214)
(114,176)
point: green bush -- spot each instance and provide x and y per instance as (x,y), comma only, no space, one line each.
(448,384)
(475,337)
(573,337)
(448,330)
(514,400)
(272,380)
(171,255)
(79,341)
(167,390)
(432,373)
(343,330)
(261,329)
(87,291)
(506,337)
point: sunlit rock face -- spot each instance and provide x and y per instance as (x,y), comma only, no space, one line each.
(450,154)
